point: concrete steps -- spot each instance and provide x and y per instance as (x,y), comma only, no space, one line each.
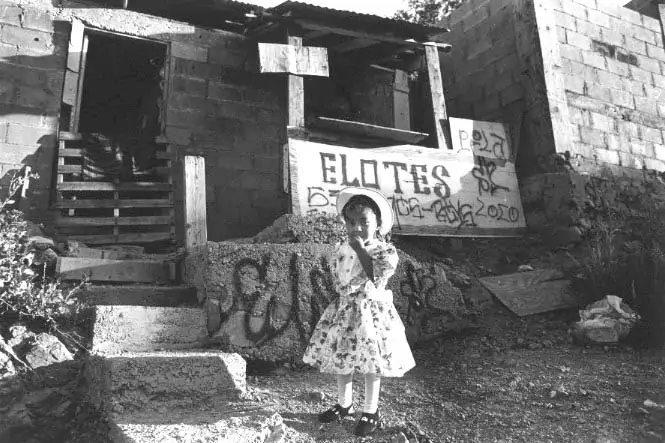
(139,295)
(150,372)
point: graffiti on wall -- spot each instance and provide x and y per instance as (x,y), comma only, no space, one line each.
(472,190)
(277,292)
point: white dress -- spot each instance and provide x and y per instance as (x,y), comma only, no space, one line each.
(361,331)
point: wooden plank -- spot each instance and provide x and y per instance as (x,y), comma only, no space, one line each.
(368,130)
(196,229)
(296,92)
(401,106)
(533,292)
(69,136)
(133,203)
(486,139)
(104,270)
(69,152)
(105,239)
(303,60)
(436,92)
(107,186)
(75,46)
(76,110)
(70,169)
(70,88)
(113,221)
(353,44)
(432,191)
(306,24)
(661,15)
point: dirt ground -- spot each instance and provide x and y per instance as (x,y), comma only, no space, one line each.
(505,379)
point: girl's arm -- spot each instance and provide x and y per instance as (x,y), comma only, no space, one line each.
(365,259)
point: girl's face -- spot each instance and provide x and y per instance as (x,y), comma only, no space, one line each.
(362,222)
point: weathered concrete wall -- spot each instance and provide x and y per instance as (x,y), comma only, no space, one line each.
(217,106)
(263,301)
(614,64)
(33,47)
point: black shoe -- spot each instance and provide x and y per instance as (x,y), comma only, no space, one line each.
(369,423)
(335,413)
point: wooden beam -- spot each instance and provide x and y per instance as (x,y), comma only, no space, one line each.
(94,203)
(436,91)
(135,271)
(401,106)
(113,221)
(353,44)
(196,227)
(108,186)
(296,90)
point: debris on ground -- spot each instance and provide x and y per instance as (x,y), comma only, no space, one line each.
(605,321)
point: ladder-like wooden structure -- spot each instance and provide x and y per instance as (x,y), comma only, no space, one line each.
(105,212)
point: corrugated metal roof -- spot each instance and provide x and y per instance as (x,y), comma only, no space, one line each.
(348,19)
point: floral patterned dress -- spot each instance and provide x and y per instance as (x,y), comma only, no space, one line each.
(361,329)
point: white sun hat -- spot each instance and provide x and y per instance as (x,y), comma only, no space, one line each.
(385,208)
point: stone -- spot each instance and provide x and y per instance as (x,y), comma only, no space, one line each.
(39,242)
(120,329)
(172,380)
(45,350)
(7,368)
(19,334)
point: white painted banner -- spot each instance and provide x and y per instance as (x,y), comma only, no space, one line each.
(433,192)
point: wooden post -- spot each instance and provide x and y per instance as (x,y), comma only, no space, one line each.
(436,91)
(401,111)
(196,228)
(296,90)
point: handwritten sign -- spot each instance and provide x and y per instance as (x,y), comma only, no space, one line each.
(432,191)
(486,139)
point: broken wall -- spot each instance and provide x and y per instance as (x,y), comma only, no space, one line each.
(217,106)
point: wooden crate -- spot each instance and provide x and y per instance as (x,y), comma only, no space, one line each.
(114,211)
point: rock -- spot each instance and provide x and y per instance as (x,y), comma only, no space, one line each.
(399,438)
(525,268)
(652,404)
(276,430)
(317,396)
(7,368)
(39,243)
(46,350)
(19,334)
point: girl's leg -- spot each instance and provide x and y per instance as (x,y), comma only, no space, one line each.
(372,388)
(345,390)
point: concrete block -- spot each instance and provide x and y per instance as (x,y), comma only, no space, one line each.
(640,75)
(644,34)
(610,80)
(183,102)
(139,295)
(120,329)
(589,29)
(191,86)
(594,59)
(578,40)
(655,52)
(593,137)
(148,382)
(574,9)
(654,164)
(652,135)
(649,64)
(185,119)
(263,300)
(574,84)
(194,69)
(659,152)
(634,45)
(641,148)
(39,20)
(622,98)
(221,91)
(571,53)
(189,52)
(607,156)
(14,35)
(646,105)
(602,122)
(619,68)
(628,160)
(598,17)
(598,92)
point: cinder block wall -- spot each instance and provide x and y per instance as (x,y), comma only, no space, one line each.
(33,47)
(481,75)
(217,107)
(614,65)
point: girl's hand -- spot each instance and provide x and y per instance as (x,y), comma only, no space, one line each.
(356,242)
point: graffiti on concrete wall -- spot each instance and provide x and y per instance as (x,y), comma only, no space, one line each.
(277,294)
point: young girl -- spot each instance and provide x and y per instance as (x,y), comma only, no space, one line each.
(361,330)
